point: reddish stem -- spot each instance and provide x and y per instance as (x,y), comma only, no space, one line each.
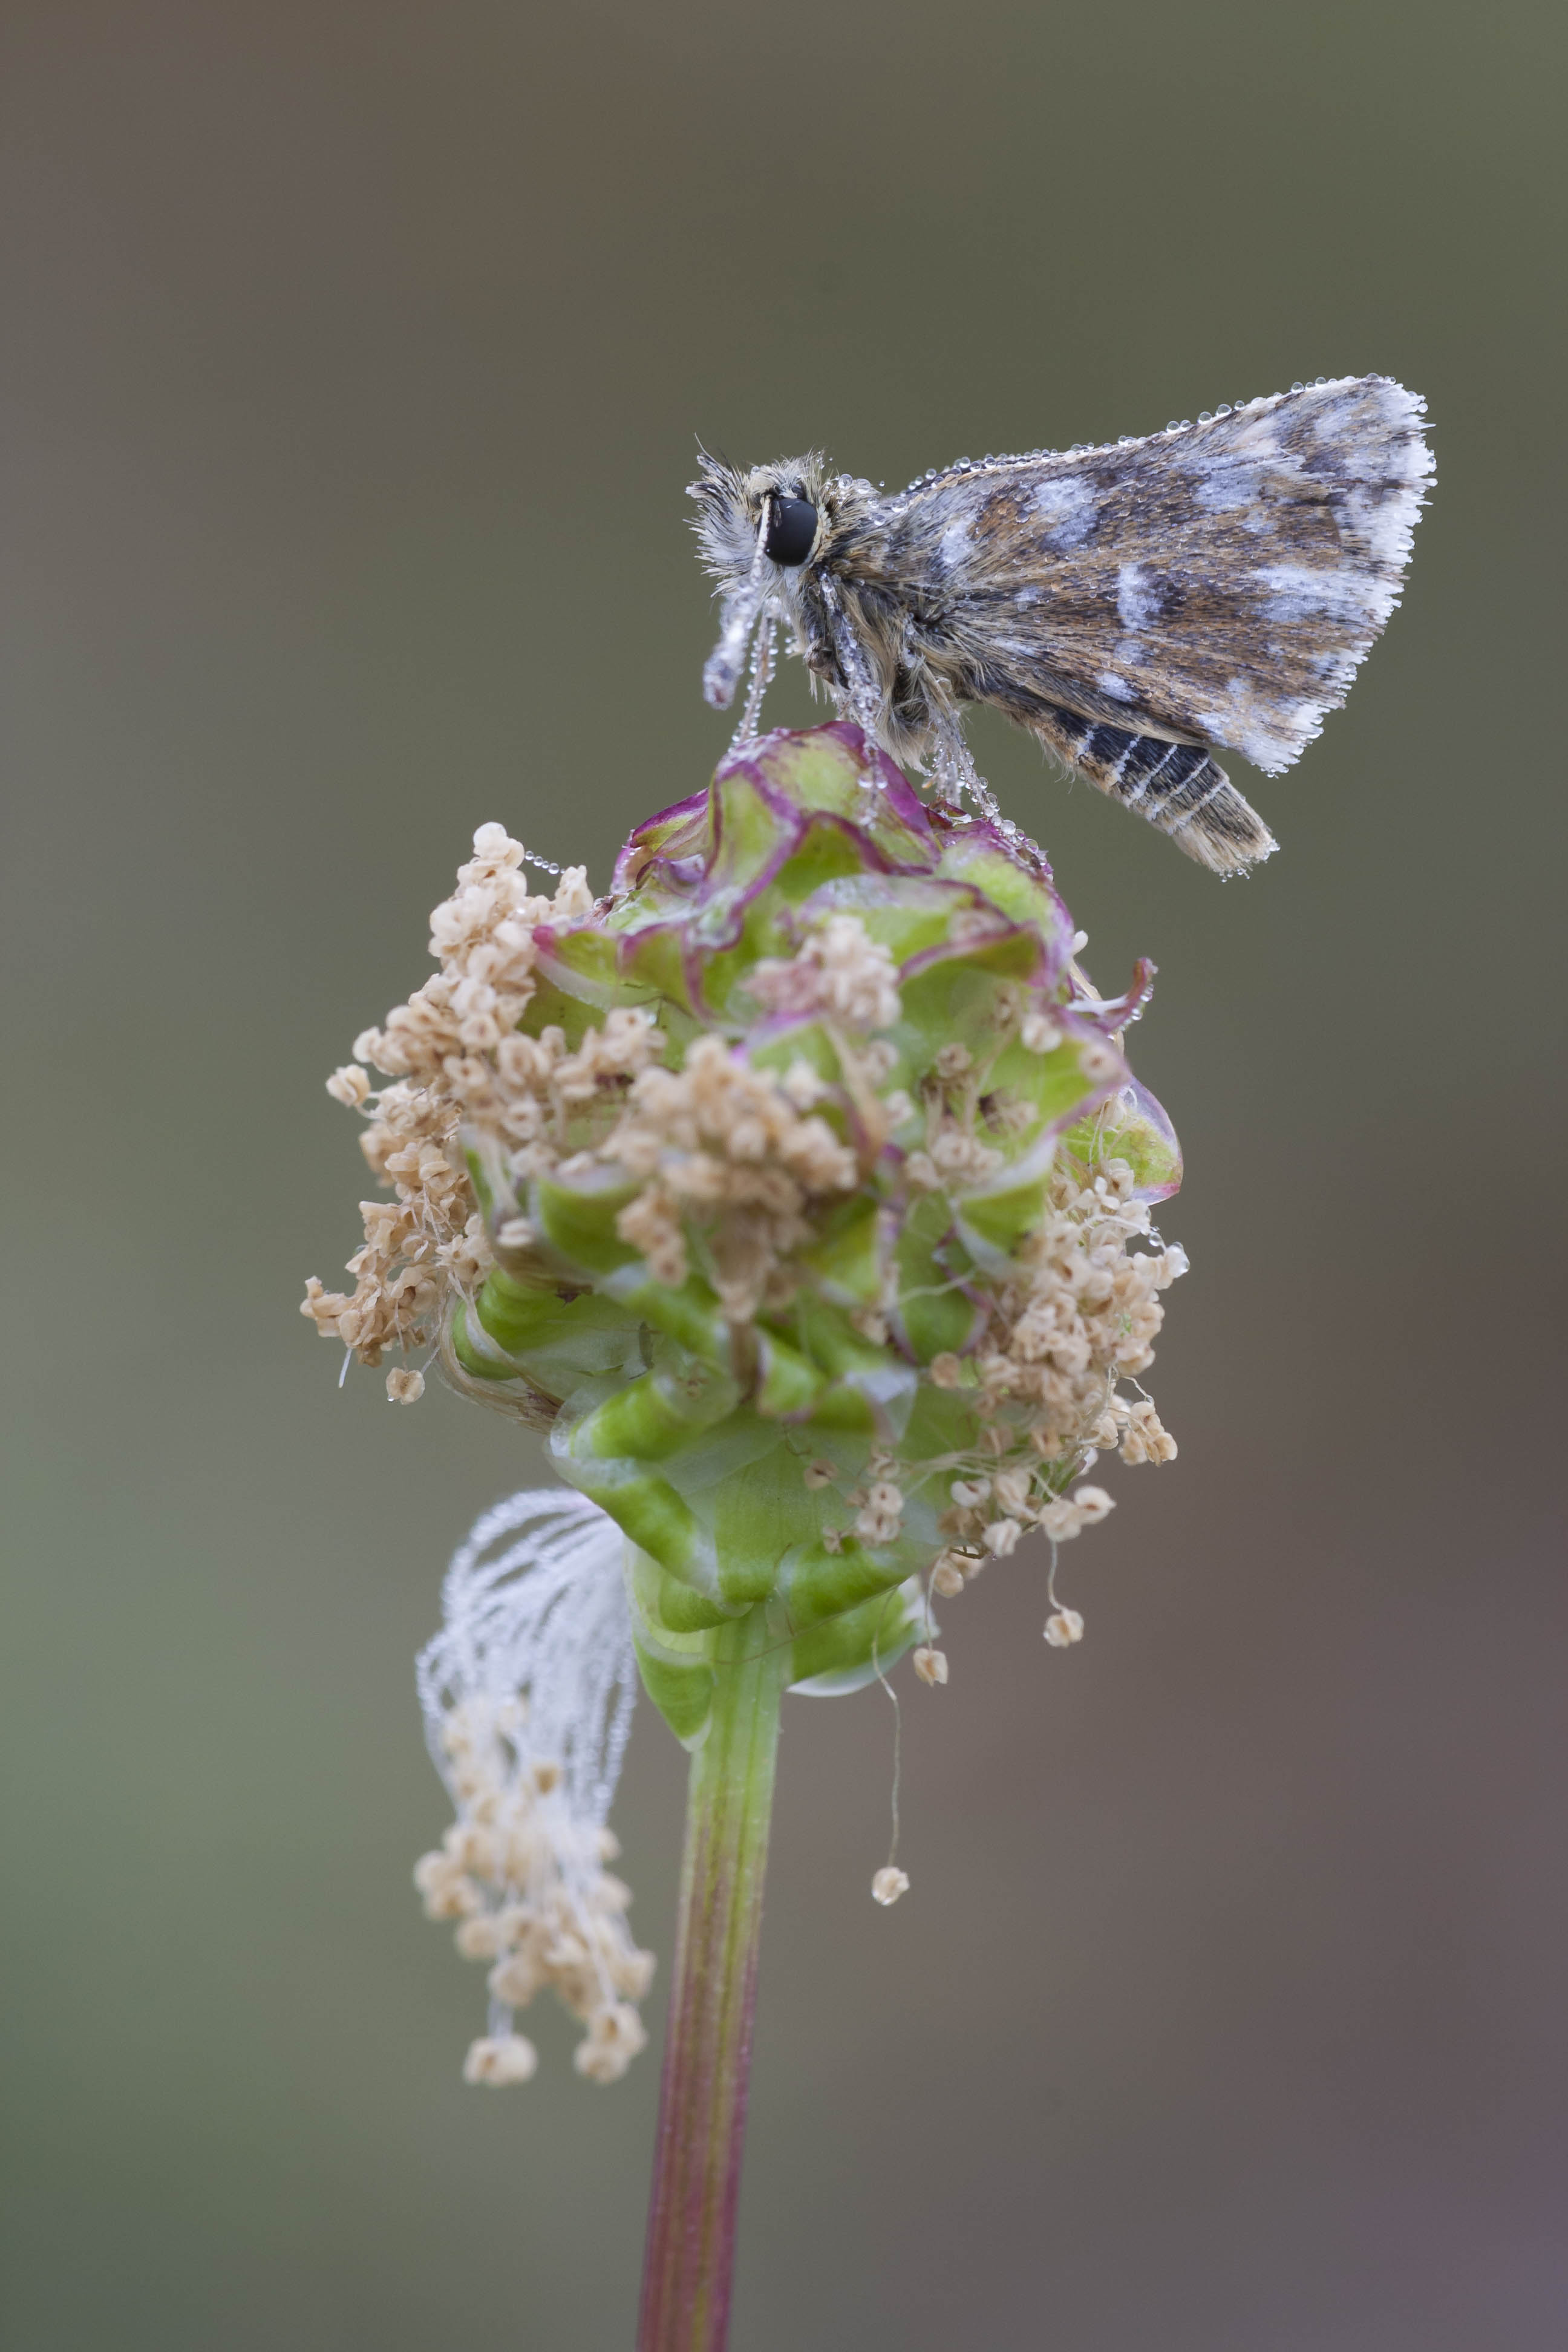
(690,2257)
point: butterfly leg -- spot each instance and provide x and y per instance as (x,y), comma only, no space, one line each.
(860,698)
(738,618)
(762,670)
(952,766)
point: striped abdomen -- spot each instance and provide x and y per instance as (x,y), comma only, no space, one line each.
(1174,784)
(1177,786)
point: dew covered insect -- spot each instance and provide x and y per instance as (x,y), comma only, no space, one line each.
(1217,584)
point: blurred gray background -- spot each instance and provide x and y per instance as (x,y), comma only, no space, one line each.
(351,363)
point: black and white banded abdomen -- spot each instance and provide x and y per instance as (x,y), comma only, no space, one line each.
(1177,786)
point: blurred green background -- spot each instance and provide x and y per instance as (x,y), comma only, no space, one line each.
(350,365)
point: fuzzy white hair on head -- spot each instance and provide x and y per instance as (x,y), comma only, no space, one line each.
(725,523)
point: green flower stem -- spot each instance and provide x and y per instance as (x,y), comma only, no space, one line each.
(691,2252)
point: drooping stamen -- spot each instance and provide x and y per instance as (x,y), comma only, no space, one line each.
(890,1882)
(527,1693)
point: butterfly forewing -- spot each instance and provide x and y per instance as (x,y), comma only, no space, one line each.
(1215,584)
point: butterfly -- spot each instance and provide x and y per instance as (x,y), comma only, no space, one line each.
(1132,604)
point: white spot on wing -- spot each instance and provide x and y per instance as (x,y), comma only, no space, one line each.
(1137,597)
(1300,592)
(1240,462)
(1067,508)
(1222,487)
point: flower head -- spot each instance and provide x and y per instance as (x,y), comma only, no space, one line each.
(801,1190)
(800,1187)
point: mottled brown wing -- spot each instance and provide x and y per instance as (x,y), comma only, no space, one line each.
(1217,584)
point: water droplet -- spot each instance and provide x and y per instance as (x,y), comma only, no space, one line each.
(1318,380)
(1224,408)
(1173,426)
(1205,416)
(1298,387)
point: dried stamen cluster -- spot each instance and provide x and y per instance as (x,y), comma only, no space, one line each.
(445,1047)
(1079,1316)
(531,1896)
(726,1157)
(734,1156)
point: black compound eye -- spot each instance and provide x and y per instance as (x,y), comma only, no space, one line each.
(790,530)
